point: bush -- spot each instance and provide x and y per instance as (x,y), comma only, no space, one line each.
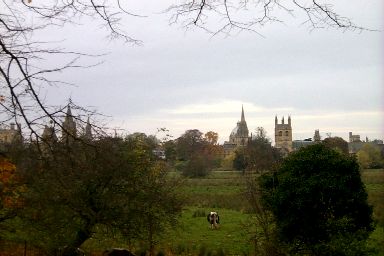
(319,201)
(196,167)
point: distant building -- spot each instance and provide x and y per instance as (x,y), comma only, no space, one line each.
(354,138)
(9,134)
(283,135)
(355,143)
(69,130)
(297,144)
(239,136)
(88,131)
(240,133)
(69,127)
(49,135)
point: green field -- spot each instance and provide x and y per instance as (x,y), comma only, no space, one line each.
(374,182)
(222,192)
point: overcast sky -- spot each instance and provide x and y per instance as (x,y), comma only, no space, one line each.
(325,79)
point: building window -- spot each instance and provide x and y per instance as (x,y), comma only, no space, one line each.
(286,133)
(280,133)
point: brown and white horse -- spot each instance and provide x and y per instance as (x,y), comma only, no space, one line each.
(213,218)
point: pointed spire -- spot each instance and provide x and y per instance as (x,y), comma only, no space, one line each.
(275,119)
(242,114)
(69,125)
(69,112)
(289,120)
(282,120)
(88,130)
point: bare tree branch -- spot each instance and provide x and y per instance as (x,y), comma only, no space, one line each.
(23,76)
(230,17)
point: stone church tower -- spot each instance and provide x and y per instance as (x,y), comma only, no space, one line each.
(283,135)
(240,133)
(69,127)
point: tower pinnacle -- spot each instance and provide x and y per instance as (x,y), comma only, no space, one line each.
(69,126)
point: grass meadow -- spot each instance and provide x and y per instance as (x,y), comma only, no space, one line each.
(374,182)
(221,191)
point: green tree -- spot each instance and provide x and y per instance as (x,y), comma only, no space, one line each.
(189,144)
(258,155)
(112,182)
(240,161)
(319,202)
(198,154)
(369,156)
(170,150)
(196,166)
(336,143)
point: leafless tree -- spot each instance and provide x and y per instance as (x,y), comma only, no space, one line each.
(260,229)
(24,73)
(230,17)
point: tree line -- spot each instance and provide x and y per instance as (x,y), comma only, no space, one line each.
(56,198)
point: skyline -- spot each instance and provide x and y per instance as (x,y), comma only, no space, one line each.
(326,79)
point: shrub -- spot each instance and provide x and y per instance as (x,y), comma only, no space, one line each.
(319,201)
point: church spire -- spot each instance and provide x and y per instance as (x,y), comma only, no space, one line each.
(69,126)
(242,114)
(88,130)
(69,111)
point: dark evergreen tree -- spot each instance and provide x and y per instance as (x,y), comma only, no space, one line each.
(319,202)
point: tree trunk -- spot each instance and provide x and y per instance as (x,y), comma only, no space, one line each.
(81,237)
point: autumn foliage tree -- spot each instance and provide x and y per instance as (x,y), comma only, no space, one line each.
(198,153)
(10,189)
(369,156)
